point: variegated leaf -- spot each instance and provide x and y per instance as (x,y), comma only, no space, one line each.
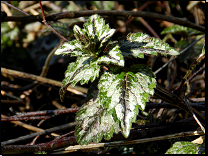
(123,93)
(96,28)
(138,44)
(83,70)
(73,48)
(94,123)
(113,55)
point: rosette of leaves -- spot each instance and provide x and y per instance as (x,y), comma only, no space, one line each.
(93,48)
(120,92)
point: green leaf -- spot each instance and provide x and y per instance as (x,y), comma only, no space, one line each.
(184,31)
(83,70)
(73,48)
(80,35)
(112,56)
(96,28)
(123,93)
(138,44)
(94,123)
(183,148)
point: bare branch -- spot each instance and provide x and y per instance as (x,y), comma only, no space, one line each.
(76,90)
(76,14)
(119,143)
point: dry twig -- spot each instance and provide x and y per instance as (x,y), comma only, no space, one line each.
(76,14)
(76,90)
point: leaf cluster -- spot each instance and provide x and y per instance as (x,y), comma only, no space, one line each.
(120,91)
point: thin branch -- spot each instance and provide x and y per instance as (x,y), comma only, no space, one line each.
(26,118)
(149,27)
(44,21)
(137,133)
(175,100)
(30,127)
(49,146)
(51,112)
(119,143)
(48,113)
(42,132)
(141,20)
(64,135)
(194,116)
(76,14)
(145,23)
(34,140)
(197,61)
(196,73)
(41,114)
(3,93)
(76,90)
(47,61)
(149,105)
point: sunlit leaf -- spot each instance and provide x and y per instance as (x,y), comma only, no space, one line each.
(73,48)
(89,40)
(83,70)
(96,27)
(112,56)
(94,123)
(123,93)
(138,44)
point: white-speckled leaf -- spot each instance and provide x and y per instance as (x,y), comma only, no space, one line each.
(74,48)
(94,123)
(138,44)
(80,34)
(126,92)
(112,56)
(96,28)
(83,70)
